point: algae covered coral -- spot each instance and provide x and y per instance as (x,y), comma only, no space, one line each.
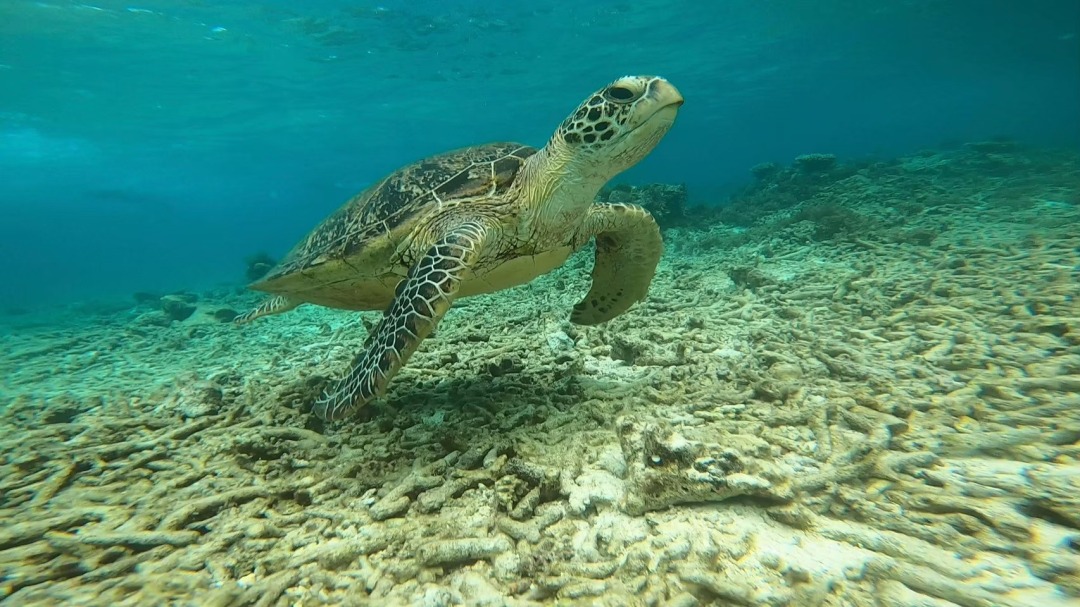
(883,414)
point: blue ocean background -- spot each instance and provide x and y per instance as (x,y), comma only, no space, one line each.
(154,145)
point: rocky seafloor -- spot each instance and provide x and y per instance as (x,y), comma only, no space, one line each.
(855,385)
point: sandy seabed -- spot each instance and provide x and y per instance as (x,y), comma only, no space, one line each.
(871,398)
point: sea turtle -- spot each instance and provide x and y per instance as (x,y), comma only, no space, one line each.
(477,220)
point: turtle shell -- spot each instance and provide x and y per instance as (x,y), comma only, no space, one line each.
(358,233)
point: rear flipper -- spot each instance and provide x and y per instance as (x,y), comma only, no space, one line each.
(421,301)
(628,247)
(274,305)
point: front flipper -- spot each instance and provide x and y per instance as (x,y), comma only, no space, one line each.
(420,302)
(628,247)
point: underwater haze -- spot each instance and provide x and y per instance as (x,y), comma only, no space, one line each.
(818,347)
(154,146)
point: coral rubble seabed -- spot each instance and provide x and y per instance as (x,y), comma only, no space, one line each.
(868,393)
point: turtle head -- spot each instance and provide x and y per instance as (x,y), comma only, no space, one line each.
(618,125)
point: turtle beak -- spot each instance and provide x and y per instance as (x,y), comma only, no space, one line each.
(664,93)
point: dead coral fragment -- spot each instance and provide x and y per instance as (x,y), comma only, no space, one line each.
(209,505)
(666,469)
(178,307)
(453,552)
(130,539)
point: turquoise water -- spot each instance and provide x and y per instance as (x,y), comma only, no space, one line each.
(820,347)
(153,146)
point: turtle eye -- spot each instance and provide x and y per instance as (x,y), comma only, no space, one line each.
(620,93)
